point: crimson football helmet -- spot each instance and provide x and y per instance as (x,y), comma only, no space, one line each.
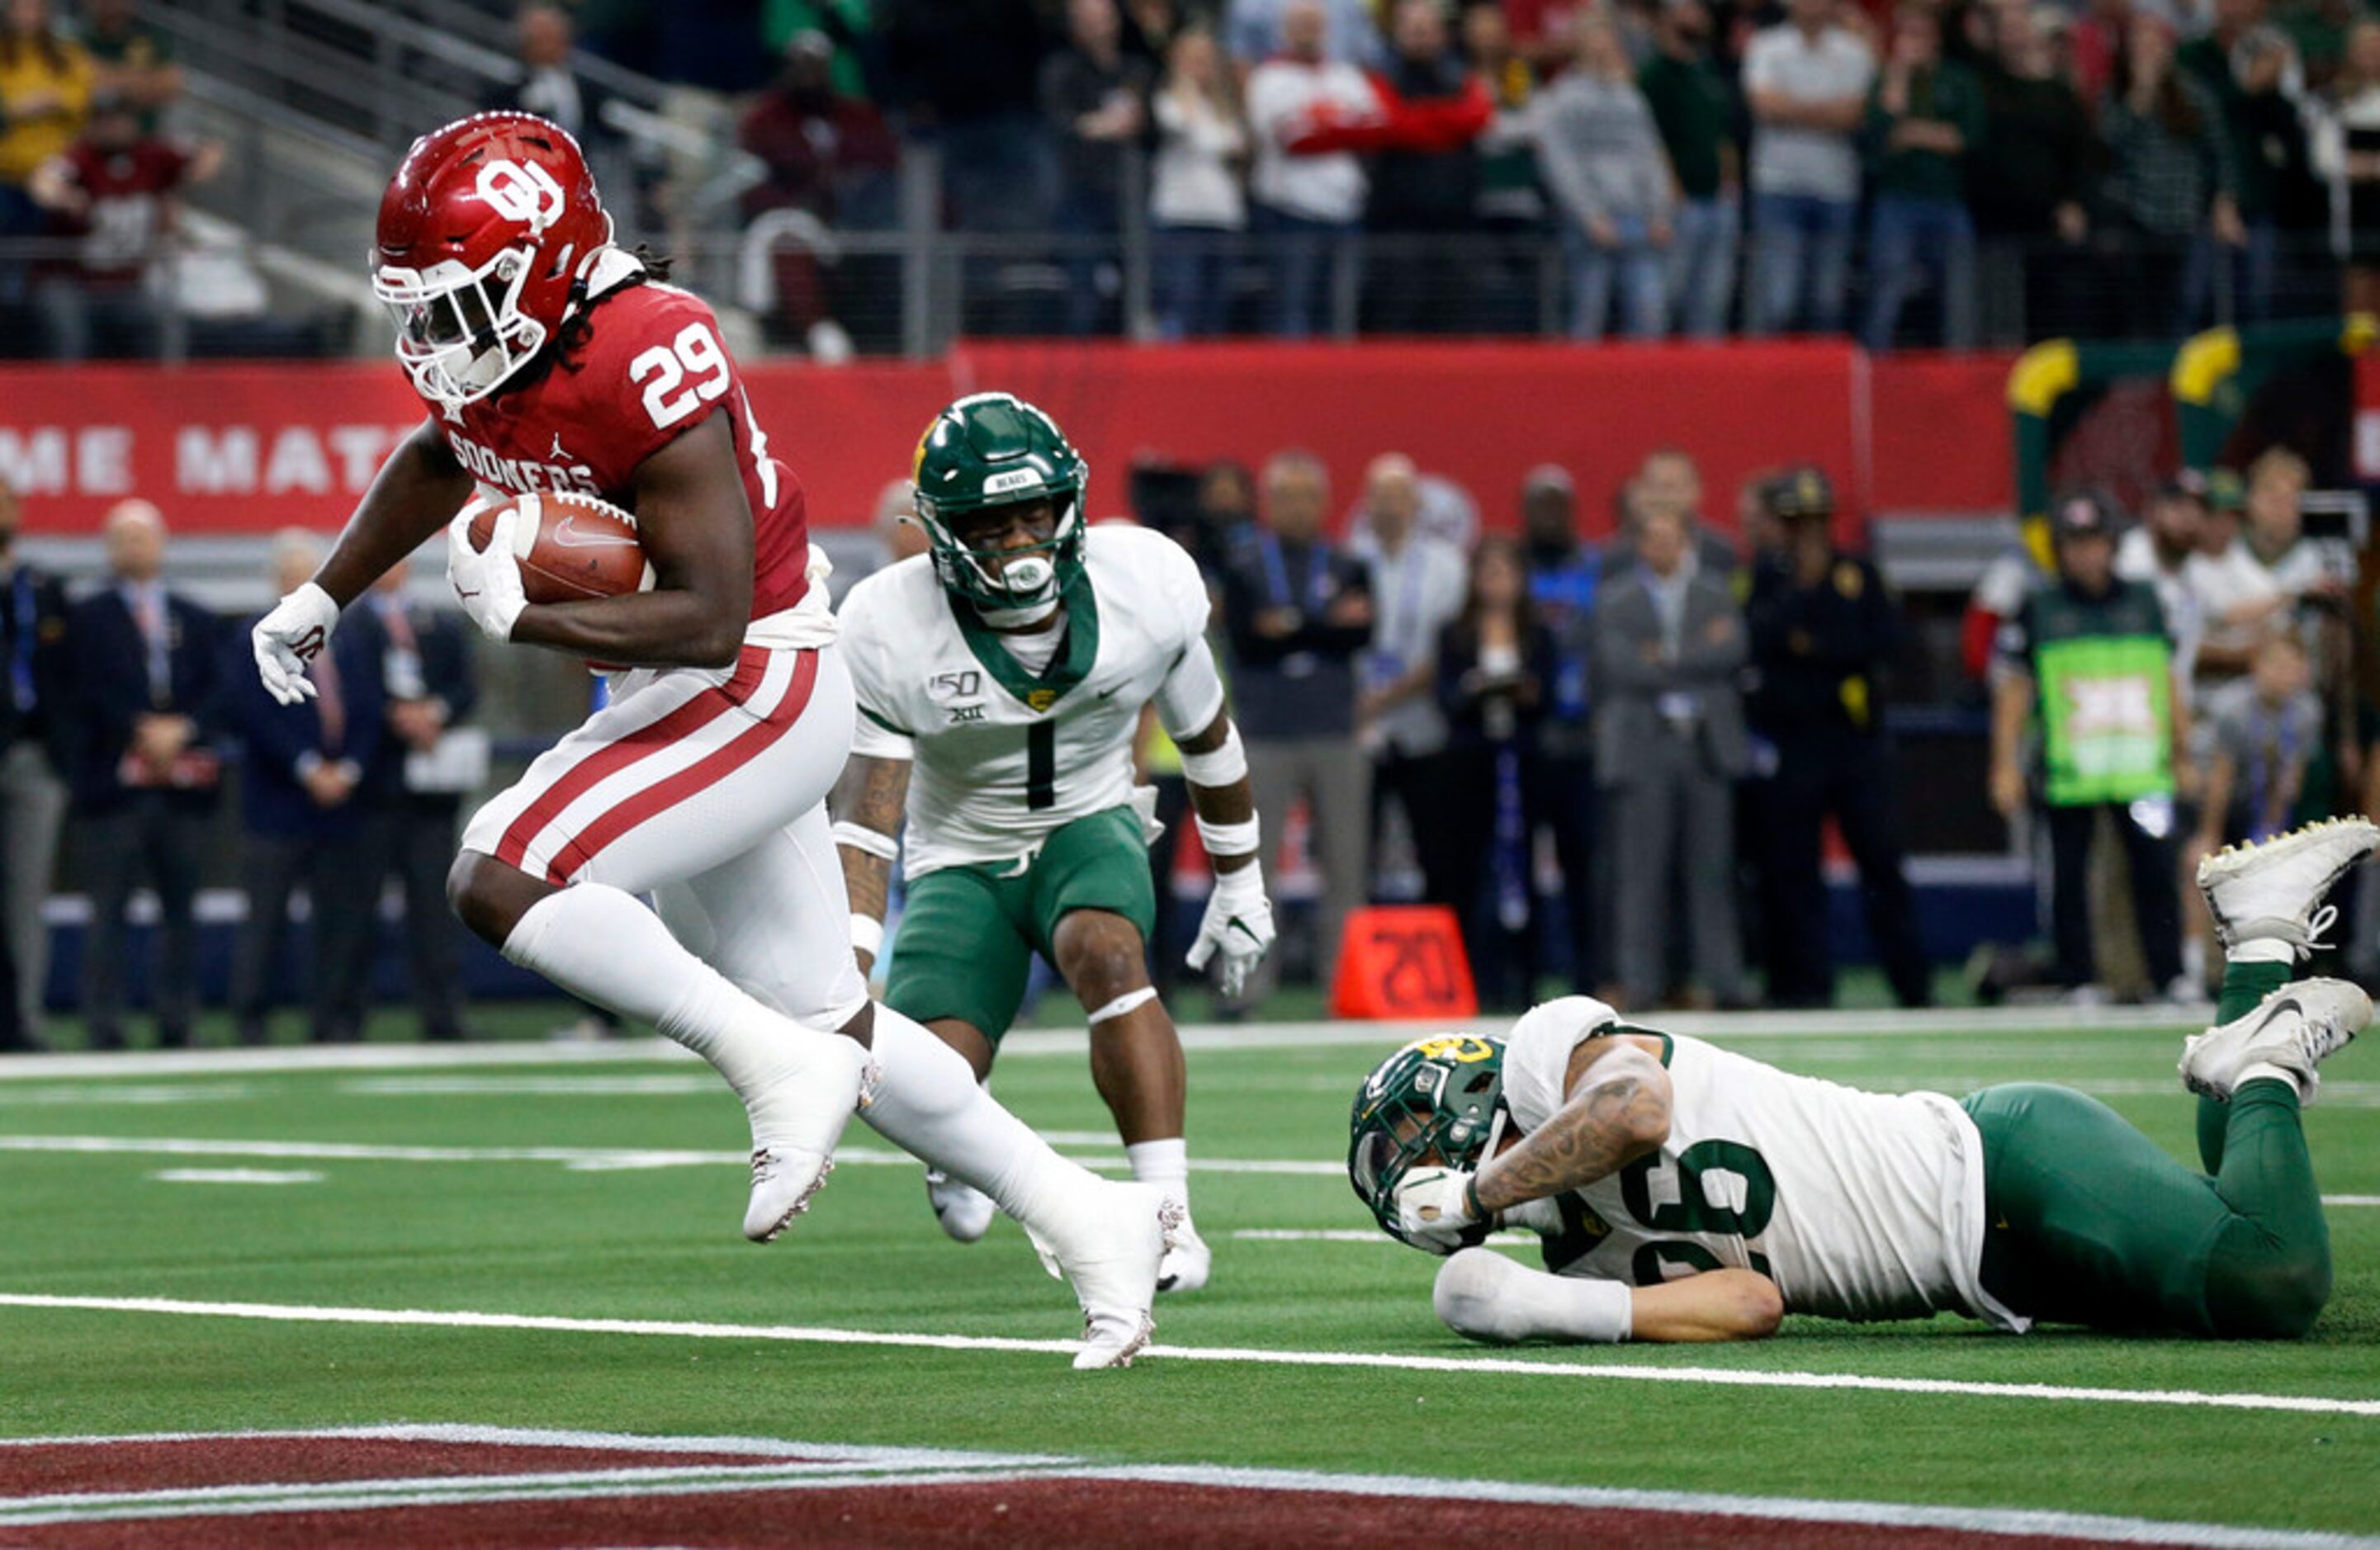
(486,235)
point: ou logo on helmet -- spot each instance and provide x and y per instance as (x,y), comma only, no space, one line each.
(521,191)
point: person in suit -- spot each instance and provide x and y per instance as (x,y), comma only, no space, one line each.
(1563,575)
(32,794)
(414,789)
(549,86)
(1496,668)
(144,666)
(301,820)
(1670,743)
(1298,612)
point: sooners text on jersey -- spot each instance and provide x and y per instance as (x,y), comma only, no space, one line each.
(651,368)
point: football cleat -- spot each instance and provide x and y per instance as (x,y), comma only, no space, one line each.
(2275,891)
(1188,1261)
(804,1109)
(1109,1242)
(2289,1033)
(784,1180)
(965,1211)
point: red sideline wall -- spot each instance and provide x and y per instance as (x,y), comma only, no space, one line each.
(244,449)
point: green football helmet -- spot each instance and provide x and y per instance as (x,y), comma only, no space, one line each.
(994,449)
(1438,1101)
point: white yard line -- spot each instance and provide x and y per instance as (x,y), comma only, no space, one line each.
(125,1093)
(831,1465)
(245,1501)
(592,1159)
(1994,1022)
(599,1159)
(2303,1404)
(1351,1235)
(466,1434)
(236,1176)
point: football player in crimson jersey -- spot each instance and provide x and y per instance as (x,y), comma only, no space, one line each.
(548,358)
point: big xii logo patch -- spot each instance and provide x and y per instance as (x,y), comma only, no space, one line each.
(963,684)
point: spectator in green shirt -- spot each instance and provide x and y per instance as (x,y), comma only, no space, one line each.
(1692,106)
(2252,70)
(2030,183)
(1926,118)
(130,58)
(2170,195)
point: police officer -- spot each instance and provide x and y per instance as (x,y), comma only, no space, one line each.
(1823,630)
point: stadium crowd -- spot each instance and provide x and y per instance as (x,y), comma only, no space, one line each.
(96,261)
(1693,167)
(1703,165)
(1616,762)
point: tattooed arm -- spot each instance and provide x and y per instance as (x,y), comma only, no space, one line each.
(1619,1111)
(868,805)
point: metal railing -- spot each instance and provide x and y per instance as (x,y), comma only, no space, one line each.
(206,294)
(912,286)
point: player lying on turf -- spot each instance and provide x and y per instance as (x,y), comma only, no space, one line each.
(1687,1193)
(548,358)
(1007,670)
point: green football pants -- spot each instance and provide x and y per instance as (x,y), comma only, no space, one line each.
(2090,1222)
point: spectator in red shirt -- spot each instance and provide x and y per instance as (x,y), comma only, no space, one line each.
(829,156)
(113,191)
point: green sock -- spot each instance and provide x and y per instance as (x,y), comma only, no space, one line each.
(2244,985)
(2278,1254)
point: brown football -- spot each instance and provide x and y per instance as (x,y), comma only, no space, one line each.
(571,546)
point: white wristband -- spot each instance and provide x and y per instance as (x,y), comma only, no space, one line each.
(871,842)
(1231,839)
(867,933)
(1221,767)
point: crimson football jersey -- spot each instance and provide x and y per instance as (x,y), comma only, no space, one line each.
(120,226)
(651,368)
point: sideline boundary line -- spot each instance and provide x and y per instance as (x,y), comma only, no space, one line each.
(2300,1404)
(843,1466)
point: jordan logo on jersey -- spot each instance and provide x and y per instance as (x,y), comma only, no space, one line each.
(518,473)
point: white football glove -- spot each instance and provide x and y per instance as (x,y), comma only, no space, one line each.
(487,582)
(1238,923)
(294,633)
(1435,1208)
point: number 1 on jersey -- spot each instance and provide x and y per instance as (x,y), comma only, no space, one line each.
(1041,766)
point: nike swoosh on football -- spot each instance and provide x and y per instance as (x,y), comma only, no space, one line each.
(567,537)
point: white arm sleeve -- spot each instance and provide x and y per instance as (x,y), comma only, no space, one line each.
(876,732)
(1193,691)
(872,739)
(1191,694)
(1537,1056)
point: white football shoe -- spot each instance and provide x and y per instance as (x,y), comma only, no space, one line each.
(807,1105)
(1188,1261)
(2276,890)
(1109,1242)
(965,1211)
(2287,1035)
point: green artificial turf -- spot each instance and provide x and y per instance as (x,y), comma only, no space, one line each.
(661,1242)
